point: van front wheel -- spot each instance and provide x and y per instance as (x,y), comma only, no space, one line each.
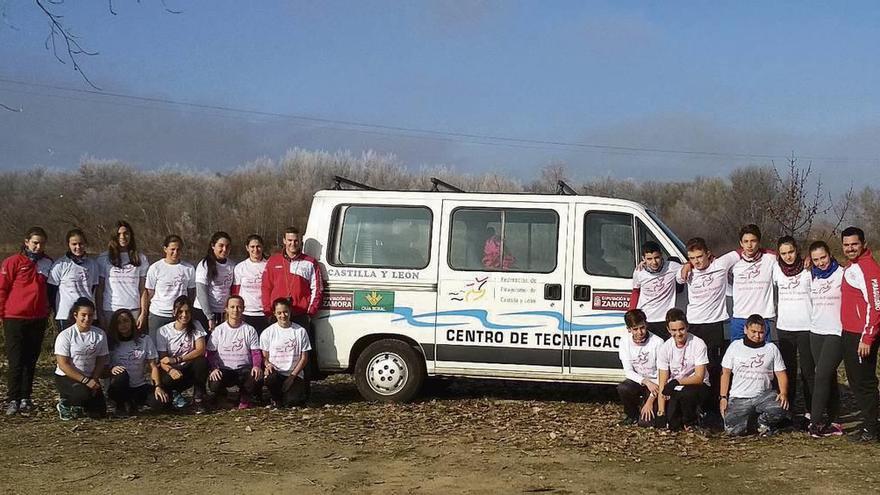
(389,370)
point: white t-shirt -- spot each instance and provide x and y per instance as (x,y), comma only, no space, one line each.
(73,281)
(794,300)
(83,348)
(640,361)
(176,342)
(753,369)
(285,346)
(220,287)
(657,290)
(752,285)
(234,345)
(825,296)
(122,284)
(249,279)
(133,356)
(707,290)
(169,282)
(682,362)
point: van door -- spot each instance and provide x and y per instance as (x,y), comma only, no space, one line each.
(602,263)
(501,294)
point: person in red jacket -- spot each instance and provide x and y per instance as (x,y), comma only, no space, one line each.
(24,312)
(296,276)
(860,316)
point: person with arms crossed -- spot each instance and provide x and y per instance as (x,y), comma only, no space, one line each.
(654,287)
(638,355)
(750,393)
(682,376)
(860,316)
(24,312)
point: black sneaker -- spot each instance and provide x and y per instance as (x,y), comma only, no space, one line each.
(199,407)
(628,421)
(25,407)
(863,436)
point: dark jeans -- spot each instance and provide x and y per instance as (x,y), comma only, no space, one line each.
(241,378)
(121,392)
(633,396)
(683,406)
(195,375)
(658,328)
(795,348)
(287,391)
(862,376)
(259,323)
(713,335)
(24,338)
(311,372)
(75,394)
(827,352)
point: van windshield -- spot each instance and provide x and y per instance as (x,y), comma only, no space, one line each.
(669,233)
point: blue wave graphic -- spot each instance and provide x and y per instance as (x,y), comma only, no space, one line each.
(563,325)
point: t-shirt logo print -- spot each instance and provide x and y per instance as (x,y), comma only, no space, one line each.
(703,281)
(793,283)
(641,359)
(752,272)
(289,346)
(236,345)
(756,361)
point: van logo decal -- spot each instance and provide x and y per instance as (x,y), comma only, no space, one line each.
(374,300)
(472,291)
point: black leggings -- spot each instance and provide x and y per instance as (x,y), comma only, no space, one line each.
(75,394)
(682,408)
(862,376)
(24,339)
(241,377)
(195,375)
(795,348)
(259,323)
(288,391)
(827,353)
(121,392)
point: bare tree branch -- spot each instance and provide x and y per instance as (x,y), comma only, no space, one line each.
(71,43)
(4,107)
(170,11)
(110,7)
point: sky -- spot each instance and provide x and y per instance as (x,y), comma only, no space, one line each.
(623,89)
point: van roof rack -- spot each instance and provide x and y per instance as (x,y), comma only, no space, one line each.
(339,181)
(437,184)
(564,189)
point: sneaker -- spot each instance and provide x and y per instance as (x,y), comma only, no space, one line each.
(628,421)
(178,401)
(766,431)
(833,430)
(863,436)
(119,411)
(12,408)
(244,405)
(199,407)
(25,407)
(64,412)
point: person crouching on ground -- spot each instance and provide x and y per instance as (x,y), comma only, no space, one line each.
(81,353)
(181,347)
(750,393)
(638,355)
(131,353)
(285,348)
(234,355)
(682,376)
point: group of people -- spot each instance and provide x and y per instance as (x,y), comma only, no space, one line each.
(162,328)
(681,369)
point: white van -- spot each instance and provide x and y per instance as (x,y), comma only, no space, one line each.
(456,284)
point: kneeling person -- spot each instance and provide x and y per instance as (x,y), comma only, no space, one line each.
(682,375)
(81,353)
(130,355)
(286,349)
(638,354)
(753,364)
(234,355)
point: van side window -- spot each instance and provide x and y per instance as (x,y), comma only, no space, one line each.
(382,236)
(645,235)
(609,249)
(514,240)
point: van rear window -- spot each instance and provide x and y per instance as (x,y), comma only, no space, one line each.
(510,240)
(382,236)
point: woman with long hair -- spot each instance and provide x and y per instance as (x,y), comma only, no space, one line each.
(24,311)
(81,353)
(167,280)
(248,283)
(123,273)
(181,346)
(131,353)
(214,276)
(73,276)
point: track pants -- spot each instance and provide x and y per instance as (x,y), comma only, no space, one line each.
(862,376)
(796,353)
(24,339)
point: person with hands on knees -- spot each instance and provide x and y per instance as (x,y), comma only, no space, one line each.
(753,363)
(131,353)
(286,348)
(234,355)
(682,375)
(81,353)
(638,355)
(182,363)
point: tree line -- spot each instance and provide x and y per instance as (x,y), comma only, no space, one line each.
(265,196)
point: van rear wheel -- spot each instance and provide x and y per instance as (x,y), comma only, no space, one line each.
(389,370)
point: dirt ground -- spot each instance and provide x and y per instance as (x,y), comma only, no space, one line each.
(471,437)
